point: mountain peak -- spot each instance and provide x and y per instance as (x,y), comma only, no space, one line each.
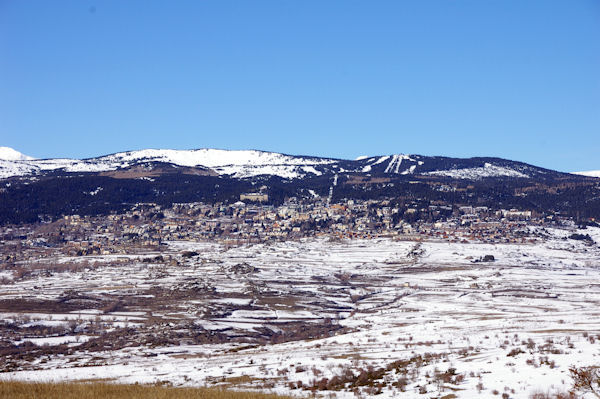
(9,154)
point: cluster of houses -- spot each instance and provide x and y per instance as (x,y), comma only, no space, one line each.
(251,220)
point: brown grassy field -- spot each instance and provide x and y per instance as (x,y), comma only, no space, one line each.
(25,390)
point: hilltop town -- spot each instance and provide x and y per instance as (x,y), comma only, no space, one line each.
(149,226)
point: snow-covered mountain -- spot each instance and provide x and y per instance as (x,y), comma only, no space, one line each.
(252,163)
(9,154)
(245,163)
(589,173)
(456,168)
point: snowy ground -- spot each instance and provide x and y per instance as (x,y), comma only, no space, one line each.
(398,317)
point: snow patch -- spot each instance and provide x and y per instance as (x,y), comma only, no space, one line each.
(382,159)
(488,170)
(589,173)
(94,192)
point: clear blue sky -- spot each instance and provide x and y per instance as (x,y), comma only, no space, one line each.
(510,78)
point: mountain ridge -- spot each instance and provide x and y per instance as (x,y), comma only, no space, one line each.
(253,163)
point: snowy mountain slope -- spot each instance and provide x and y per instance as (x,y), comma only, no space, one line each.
(396,164)
(488,170)
(252,163)
(16,168)
(9,154)
(457,168)
(240,163)
(234,163)
(588,173)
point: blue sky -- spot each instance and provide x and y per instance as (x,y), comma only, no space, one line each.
(511,78)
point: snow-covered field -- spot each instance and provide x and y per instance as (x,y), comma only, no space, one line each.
(404,318)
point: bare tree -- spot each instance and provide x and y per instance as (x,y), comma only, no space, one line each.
(586,379)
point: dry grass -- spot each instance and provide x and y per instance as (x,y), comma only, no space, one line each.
(26,390)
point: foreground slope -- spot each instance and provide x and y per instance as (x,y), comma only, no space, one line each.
(395,318)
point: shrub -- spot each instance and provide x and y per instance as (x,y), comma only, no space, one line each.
(586,379)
